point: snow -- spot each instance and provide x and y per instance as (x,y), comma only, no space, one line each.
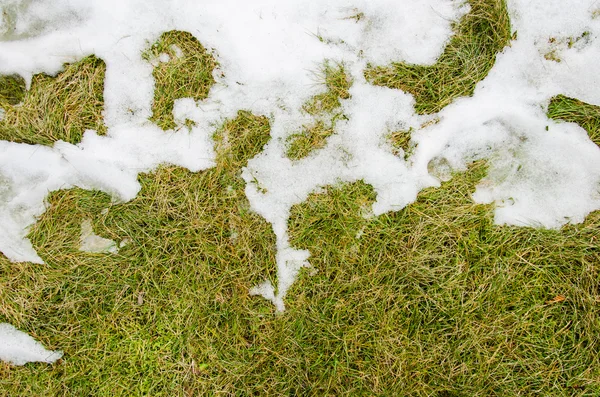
(91,242)
(18,348)
(542,173)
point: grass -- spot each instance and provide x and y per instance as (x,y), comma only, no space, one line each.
(187,74)
(576,111)
(55,108)
(432,300)
(312,137)
(401,143)
(12,89)
(466,60)
(436,300)
(171,311)
(325,109)
(337,86)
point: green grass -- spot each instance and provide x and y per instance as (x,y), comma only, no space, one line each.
(466,60)
(430,300)
(188,73)
(12,89)
(312,138)
(401,143)
(325,109)
(576,111)
(55,108)
(337,85)
(436,300)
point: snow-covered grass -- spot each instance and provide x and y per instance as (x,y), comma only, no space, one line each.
(432,299)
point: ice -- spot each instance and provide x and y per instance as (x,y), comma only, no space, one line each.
(541,172)
(18,348)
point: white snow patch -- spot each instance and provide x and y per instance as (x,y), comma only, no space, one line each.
(18,348)
(266,290)
(178,52)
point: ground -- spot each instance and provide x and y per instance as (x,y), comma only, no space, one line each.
(433,299)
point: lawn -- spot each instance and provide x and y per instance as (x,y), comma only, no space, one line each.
(434,299)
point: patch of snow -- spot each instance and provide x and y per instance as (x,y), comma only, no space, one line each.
(264,289)
(178,52)
(164,57)
(91,242)
(18,348)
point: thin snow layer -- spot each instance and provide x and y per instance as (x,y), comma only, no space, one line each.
(18,348)
(91,242)
(542,173)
